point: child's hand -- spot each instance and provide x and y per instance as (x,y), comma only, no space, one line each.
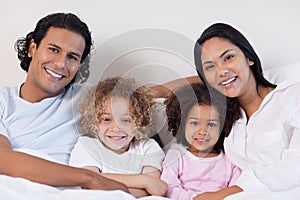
(155,186)
(218,195)
(209,196)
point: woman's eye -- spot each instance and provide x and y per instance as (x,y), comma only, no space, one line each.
(209,67)
(229,57)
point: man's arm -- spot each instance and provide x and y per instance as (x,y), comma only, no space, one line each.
(17,164)
(165,89)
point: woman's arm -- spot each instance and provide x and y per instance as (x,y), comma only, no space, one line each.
(17,164)
(165,89)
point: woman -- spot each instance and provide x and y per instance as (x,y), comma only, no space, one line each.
(265,140)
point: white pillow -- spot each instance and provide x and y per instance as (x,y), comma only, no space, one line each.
(279,74)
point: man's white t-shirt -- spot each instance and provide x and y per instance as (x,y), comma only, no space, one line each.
(46,127)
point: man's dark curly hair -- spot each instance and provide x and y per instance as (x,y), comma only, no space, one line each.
(66,21)
(180,102)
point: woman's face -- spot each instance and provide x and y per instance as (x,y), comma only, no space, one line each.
(116,127)
(226,68)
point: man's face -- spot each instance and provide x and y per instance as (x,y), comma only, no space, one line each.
(54,63)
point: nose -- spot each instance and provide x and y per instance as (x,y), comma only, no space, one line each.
(201,130)
(60,60)
(114,126)
(223,71)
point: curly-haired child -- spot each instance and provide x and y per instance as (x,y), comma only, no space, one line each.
(199,120)
(114,117)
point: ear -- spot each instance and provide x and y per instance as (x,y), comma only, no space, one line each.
(32,48)
(250,62)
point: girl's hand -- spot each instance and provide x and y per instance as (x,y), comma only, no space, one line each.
(218,195)
(209,196)
(155,186)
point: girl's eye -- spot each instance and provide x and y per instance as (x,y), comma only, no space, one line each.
(126,120)
(194,123)
(106,119)
(212,124)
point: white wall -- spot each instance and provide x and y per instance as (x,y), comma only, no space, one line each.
(153,40)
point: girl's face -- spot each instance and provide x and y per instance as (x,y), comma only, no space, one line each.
(202,130)
(116,125)
(226,68)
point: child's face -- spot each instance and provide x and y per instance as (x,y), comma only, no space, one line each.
(116,126)
(202,130)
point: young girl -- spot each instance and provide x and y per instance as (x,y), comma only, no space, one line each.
(196,117)
(114,116)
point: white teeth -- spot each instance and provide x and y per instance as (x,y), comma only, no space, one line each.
(228,81)
(116,137)
(54,74)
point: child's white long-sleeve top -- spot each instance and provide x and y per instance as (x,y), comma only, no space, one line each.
(91,152)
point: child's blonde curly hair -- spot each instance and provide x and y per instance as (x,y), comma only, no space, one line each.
(141,99)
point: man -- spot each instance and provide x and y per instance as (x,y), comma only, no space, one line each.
(37,116)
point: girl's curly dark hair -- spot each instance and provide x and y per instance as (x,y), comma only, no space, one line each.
(66,21)
(141,100)
(179,103)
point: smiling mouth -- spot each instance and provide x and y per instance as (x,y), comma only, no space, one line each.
(116,137)
(55,75)
(228,81)
(201,139)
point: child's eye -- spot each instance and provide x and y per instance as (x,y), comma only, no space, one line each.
(194,123)
(212,124)
(126,120)
(106,119)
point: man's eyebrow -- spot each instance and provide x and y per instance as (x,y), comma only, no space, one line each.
(73,53)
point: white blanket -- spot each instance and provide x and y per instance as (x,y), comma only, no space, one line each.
(19,188)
